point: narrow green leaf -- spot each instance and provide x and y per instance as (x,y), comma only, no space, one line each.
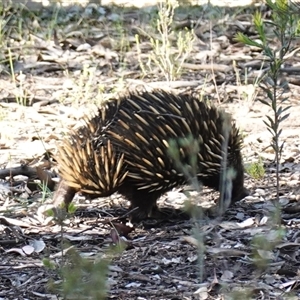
(240,37)
(284,117)
(268,52)
(282,6)
(266,123)
(271,121)
(270,23)
(273,105)
(270,81)
(279,111)
(270,95)
(265,102)
(271,4)
(259,26)
(281,148)
(286,108)
(271,131)
(285,99)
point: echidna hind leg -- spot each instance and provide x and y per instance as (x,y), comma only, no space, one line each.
(142,201)
(145,206)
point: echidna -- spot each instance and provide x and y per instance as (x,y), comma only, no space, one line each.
(125,147)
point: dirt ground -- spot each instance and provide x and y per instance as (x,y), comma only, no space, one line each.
(52,74)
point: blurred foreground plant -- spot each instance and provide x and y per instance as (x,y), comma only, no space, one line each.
(285,26)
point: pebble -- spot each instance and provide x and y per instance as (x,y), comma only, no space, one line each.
(260,192)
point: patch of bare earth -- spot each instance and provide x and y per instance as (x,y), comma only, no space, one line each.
(62,63)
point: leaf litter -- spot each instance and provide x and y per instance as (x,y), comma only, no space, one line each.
(59,73)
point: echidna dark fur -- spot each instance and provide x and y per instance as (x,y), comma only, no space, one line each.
(124,147)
